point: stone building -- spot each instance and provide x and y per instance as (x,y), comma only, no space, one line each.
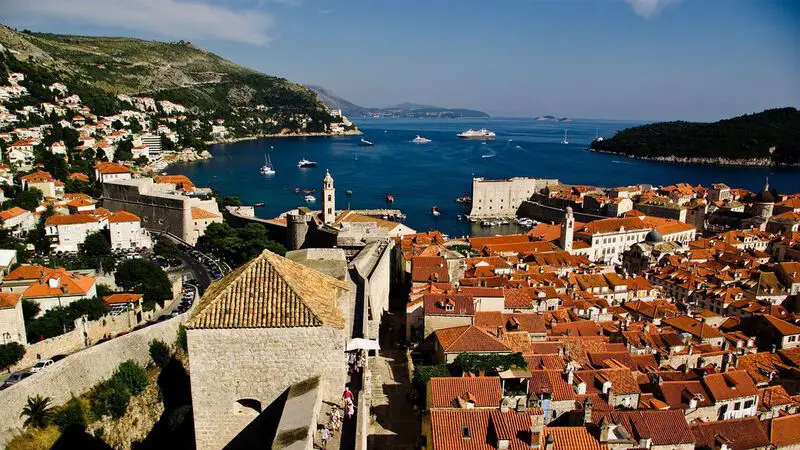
(163,206)
(502,198)
(266,326)
(12,323)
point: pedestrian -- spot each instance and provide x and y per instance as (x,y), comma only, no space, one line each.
(326,435)
(351,409)
(347,394)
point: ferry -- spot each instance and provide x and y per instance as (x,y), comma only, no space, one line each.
(483,133)
(306,163)
(310,199)
(435,211)
(389,199)
(420,140)
(365,143)
(267,169)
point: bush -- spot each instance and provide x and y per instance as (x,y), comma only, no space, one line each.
(71,415)
(182,342)
(10,354)
(159,352)
(474,362)
(424,373)
(110,398)
(133,376)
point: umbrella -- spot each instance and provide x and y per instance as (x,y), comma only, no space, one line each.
(362,344)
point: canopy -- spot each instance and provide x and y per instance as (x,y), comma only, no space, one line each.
(362,344)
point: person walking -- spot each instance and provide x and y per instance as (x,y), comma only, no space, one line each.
(348,395)
(325,435)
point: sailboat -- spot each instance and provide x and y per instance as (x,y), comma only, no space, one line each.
(267,169)
(565,141)
(597,137)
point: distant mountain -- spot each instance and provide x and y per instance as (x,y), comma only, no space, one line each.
(549,118)
(771,137)
(406,110)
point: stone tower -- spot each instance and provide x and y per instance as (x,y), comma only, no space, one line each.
(764,202)
(297,225)
(328,199)
(567,230)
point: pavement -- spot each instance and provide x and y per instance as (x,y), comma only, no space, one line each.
(397,424)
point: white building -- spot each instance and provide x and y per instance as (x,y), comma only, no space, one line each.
(108,171)
(12,323)
(18,220)
(502,198)
(67,233)
(609,238)
(125,231)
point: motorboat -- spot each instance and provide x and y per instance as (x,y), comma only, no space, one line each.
(306,163)
(420,140)
(483,133)
(464,200)
(349,192)
(365,143)
(258,205)
(310,199)
(389,198)
(435,211)
(267,169)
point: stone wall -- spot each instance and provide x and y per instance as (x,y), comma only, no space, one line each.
(550,214)
(227,365)
(80,372)
(374,265)
(502,198)
(158,212)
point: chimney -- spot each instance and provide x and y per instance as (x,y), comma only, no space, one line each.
(774,347)
(587,410)
(570,376)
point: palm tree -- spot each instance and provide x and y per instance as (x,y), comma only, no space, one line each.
(37,411)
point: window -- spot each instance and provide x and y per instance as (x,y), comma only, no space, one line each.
(748,404)
(737,406)
(329,197)
(465,433)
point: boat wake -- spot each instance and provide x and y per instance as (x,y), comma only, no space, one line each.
(489,155)
(615,161)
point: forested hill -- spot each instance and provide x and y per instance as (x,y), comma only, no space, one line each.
(174,71)
(771,137)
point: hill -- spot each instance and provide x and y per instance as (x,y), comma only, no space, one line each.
(175,71)
(771,137)
(405,110)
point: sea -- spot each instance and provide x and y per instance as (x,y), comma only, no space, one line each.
(421,176)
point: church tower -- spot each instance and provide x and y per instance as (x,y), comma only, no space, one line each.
(328,199)
(567,231)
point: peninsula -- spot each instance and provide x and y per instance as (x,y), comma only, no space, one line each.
(768,138)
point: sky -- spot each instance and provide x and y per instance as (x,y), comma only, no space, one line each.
(614,59)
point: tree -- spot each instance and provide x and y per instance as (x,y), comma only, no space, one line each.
(117,125)
(144,277)
(95,245)
(124,151)
(37,412)
(72,415)
(29,199)
(166,248)
(30,309)
(231,201)
(159,352)
(11,354)
(475,362)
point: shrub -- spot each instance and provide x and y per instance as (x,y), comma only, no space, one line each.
(71,415)
(182,342)
(424,373)
(110,398)
(160,353)
(132,376)
(37,412)
(10,354)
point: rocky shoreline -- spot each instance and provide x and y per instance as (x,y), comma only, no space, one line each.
(355,132)
(749,162)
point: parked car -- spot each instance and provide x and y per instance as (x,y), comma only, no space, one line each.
(41,365)
(16,378)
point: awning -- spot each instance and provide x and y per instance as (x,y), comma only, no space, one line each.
(362,344)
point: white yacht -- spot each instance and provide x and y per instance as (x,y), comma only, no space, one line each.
(420,140)
(267,169)
(306,163)
(565,141)
(310,198)
(483,133)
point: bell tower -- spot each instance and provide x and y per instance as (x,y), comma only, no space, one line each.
(567,230)
(328,199)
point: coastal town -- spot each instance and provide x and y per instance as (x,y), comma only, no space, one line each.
(142,310)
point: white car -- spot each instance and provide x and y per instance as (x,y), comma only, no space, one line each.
(39,366)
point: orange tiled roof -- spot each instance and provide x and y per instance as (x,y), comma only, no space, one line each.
(484,428)
(468,338)
(72,219)
(729,385)
(485,391)
(200,214)
(28,272)
(783,431)
(107,168)
(9,300)
(663,427)
(12,212)
(122,298)
(613,225)
(123,216)
(79,176)
(570,438)
(744,433)
(67,284)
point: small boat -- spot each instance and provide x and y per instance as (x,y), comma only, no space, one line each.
(310,199)
(565,141)
(458,217)
(365,143)
(389,199)
(486,224)
(258,205)
(435,211)
(464,200)
(488,155)
(297,190)
(597,137)
(308,191)
(503,222)
(420,140)
(349,192)
(306,163)
(267,169)
(519,147)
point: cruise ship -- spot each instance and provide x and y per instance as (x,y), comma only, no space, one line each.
(483,133)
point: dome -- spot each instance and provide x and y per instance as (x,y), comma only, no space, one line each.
(766,195)
(654,236)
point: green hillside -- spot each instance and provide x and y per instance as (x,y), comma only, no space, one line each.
(175,71)
(772,135)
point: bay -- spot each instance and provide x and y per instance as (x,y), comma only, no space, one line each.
(420,176)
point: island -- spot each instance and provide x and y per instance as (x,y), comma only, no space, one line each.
(768,138)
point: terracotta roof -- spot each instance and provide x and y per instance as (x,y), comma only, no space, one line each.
(484,391)
(352,217)
(79,202)
(200,213)
(72,219)
(570,438)
(28,272)
(782,327)
(429,268)
(479,242)
(743,434)
(123,216)
(483,427)
(79,176)
(622,380)
(67,283)
(122,298)
(468,338)
(271,291)
(12,212)
(107,168)
(693,326)
(8,300)
(729,385)
(783,431)
(663,427)
(448,304)
(552,382)
(677,394)
(614,225)
(37,177)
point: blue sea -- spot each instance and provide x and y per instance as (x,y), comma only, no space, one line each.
(420,176)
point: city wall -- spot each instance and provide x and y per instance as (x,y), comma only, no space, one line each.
(81,371)
(162,213)
(544,213)
(373,265)
(502,198)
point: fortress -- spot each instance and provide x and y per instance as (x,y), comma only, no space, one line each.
(502,198)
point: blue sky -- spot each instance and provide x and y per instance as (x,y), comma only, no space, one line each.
(616,59)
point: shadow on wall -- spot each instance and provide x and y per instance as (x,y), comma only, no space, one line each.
(74,438)
(175,427)
(260,433)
